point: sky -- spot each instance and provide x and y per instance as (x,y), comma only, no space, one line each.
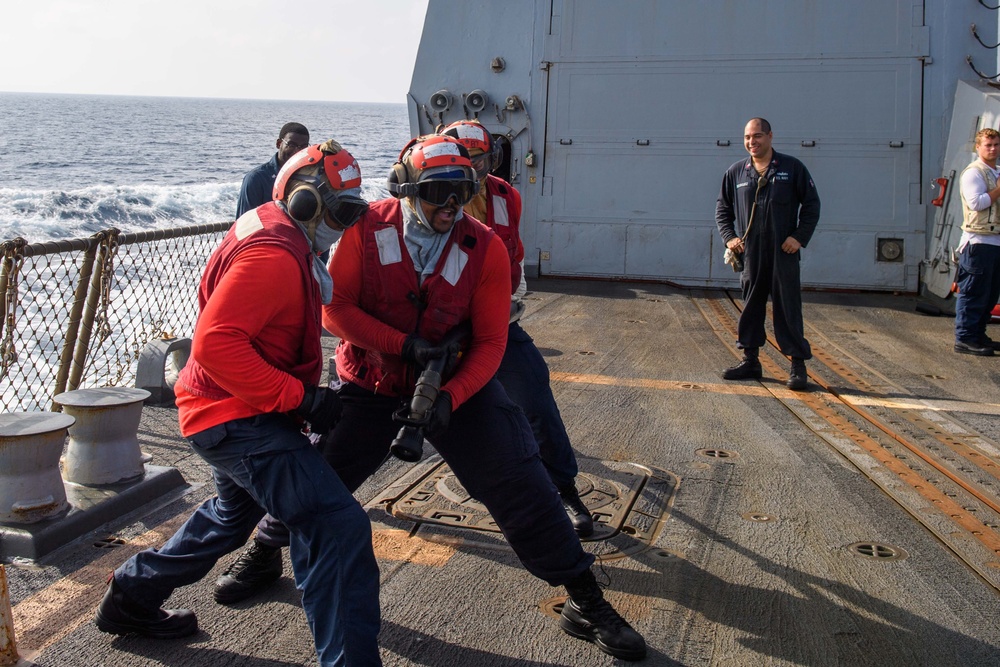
(329,50)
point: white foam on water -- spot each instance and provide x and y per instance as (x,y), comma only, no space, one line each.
(41,215)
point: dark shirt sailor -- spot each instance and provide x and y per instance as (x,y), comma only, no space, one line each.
(784,219)
(258,184)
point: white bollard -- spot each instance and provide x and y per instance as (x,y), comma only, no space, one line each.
(160,362)
(31,489)
(103,447)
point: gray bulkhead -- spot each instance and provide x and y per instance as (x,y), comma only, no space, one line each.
(622,116)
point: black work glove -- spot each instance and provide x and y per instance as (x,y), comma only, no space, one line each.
(440,416)
(320,407)
(454,352)
(418,351)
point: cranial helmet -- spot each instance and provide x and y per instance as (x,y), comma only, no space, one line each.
(434,168)
(321,178)
(478,140)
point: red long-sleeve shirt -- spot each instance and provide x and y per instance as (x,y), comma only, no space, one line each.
(253,310)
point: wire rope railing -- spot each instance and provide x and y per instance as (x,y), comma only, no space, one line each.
(77,313)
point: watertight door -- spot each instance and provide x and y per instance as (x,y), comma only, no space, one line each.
(646,106)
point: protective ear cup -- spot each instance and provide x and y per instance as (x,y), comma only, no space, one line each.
(305,159)
(304,204)
(398,182)
(399,176)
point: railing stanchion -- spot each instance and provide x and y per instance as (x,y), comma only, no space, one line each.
(75,316)
(8,647)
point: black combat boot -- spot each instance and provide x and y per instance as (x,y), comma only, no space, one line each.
(258,567)
(797,378)
(587,615)
(120,615)
(981,349)
(986,341)
(748,369)
(579,515)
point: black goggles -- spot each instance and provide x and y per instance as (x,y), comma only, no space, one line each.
(438,192)
(345,210)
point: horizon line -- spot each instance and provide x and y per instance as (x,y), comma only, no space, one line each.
(194,97)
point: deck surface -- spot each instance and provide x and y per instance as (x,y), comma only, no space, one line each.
(854,524)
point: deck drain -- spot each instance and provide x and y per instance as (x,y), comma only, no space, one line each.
(717,453)
(586,352)
(877,551)
(758,517)
(553,606)
(109,542)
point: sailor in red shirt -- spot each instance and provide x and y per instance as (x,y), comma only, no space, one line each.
(242,400)
(411,270)
(523,371)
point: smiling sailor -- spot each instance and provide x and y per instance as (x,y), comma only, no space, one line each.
(766,212)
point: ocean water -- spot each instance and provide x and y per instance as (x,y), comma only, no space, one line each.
(71,165)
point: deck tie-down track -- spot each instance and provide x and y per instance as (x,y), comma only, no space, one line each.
(940,471)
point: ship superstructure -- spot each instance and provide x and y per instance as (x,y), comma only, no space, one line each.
(620,118)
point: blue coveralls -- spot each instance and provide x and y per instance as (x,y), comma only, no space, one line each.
(266,462)
(258,186)
(787,205)
(490,448)
(978,281)
(523,372)
(525,377)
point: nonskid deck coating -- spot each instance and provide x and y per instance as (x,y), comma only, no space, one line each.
(636,373)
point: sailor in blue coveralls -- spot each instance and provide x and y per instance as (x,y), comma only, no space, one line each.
(258,183)
(784,219)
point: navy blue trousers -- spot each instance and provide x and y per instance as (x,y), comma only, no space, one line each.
(266,462)
(978,290)
(490,448)
(525,377)
(769,271)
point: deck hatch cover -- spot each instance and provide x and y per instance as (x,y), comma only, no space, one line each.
(629,502)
